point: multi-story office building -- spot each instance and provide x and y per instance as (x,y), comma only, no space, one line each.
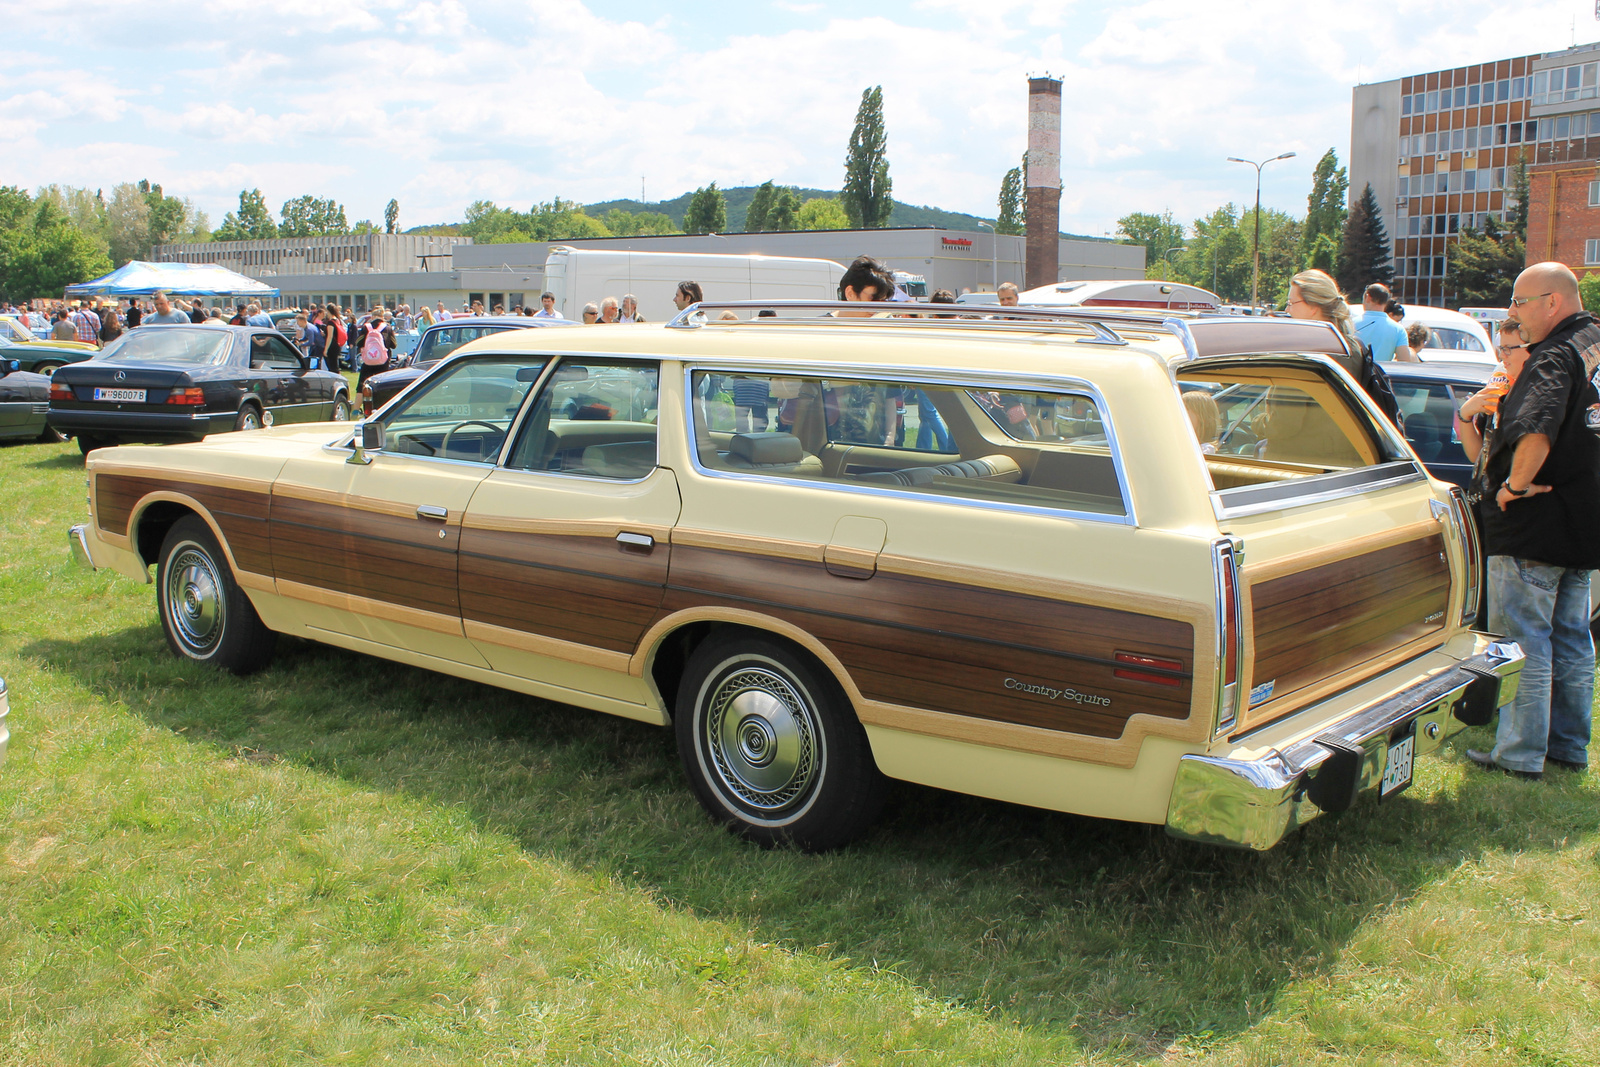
(1440,151)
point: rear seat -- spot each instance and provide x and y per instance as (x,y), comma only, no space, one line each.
(770,451)
(996,468)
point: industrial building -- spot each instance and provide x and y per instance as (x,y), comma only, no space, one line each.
(1440,150)
(363,270)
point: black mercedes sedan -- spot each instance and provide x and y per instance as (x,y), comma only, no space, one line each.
(437,342)
(180,383)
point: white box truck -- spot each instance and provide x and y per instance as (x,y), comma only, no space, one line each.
(578,276)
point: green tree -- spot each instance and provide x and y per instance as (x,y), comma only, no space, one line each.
(41,249)
(1217,256)
(1589,291)
(867,191)
(785,213)
(172,219)
(85,207)
(823,213)
(630,223)
(1157,233)
(391,217)
(1282,241)
(708,211)
(755,216)
(127,224)
(1012,218)
(309,216)
(1325,213)
(1519,190)
(1364,255)
(252,222)
(1483,266)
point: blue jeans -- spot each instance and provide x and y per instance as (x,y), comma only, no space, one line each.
(931,429)
(1544,609)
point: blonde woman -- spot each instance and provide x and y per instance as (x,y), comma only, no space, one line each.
(1314,295)
(424,316)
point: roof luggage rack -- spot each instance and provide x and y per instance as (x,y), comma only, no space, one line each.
(936,316)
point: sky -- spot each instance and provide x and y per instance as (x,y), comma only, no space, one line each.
(440,103)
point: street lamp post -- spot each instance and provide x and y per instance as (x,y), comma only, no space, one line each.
(994,252)
(1166,260)
(1255,270)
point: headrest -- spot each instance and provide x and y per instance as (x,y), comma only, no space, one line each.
(768,447)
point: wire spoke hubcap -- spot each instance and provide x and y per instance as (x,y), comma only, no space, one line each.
(763,739)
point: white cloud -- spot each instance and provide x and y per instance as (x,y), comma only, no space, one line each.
(440,102)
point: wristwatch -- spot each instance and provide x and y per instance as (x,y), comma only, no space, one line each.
(1515,492)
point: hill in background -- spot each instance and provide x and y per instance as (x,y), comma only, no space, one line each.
(738,201)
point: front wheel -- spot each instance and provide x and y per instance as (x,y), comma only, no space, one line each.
(206,616)
(772,747)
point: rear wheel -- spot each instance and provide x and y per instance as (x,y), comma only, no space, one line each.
(249,418)
(206,616)
(772,747)
(47,368)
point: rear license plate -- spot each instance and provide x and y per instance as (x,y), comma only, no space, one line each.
(1397,771)
(126,396)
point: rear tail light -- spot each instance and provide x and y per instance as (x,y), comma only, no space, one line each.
(366,400)
(194,395)
(1225,556)
(1140,668)
(60,391)
(1467,525)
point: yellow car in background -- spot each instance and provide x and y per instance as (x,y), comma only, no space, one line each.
(14,329)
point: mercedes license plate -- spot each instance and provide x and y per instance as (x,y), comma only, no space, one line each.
(1397,771)
(124,396)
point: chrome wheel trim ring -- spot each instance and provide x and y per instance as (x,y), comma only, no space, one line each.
(193,605)
(341,411)
(763,738)
(249,420)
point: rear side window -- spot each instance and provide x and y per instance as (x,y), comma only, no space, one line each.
(1280,426)
(1042,450)
(1428,412)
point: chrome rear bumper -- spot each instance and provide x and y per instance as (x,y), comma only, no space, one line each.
(1254,803)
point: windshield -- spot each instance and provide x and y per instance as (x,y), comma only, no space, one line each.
(439,343)
(168,344)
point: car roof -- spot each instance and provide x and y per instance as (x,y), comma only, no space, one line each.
(1441,370)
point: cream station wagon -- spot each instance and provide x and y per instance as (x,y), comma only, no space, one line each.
(1175,570)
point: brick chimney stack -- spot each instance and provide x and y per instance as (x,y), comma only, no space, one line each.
(1044,182)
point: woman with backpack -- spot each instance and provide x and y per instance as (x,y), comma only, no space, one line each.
(373,345)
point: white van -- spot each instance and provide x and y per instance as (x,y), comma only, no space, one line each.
(582,276)
(1452,336)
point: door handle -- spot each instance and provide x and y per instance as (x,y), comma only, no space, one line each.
(432,511)
(635,540)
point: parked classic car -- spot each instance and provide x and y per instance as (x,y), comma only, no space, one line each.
(437,342)
(24,403)
(14,329)
(44,357)
(1054,596)
(180,383)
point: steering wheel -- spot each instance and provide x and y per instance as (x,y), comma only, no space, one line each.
(444,445)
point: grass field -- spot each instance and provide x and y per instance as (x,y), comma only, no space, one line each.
(341,860)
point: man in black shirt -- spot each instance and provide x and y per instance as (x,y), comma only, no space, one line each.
(1541,526)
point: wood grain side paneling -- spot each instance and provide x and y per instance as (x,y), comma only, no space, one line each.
(1326,619)
(240,514)
(953,648)
(585,589)
(390,558)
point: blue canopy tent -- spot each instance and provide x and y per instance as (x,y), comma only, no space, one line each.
(176,279)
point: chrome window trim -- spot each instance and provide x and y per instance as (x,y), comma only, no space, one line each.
(1011,384)
(1288,494)
(1228,552)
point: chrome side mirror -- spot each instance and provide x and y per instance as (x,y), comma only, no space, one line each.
(368,438)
